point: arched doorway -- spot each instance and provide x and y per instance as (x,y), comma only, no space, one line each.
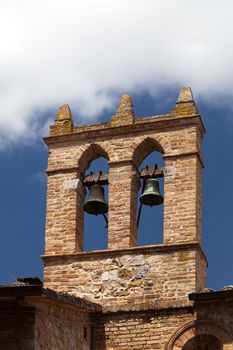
(203,342)
(201,335)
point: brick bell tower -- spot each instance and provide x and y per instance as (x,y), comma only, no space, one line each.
(127,279)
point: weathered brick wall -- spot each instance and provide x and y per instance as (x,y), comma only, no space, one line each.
(201,265)
(137,331)
(161,276)
(122,227)
(64,223)
(59,328)
(205,326)
(181,200)
(219,311)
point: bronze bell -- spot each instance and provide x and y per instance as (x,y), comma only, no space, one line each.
(95,203)
(151,195)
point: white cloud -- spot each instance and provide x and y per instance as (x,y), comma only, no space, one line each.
(82,52)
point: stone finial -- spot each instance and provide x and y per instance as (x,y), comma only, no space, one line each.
(185,105)
(125,106)
(125,112)
(186,95)
(63,122)
(63,113)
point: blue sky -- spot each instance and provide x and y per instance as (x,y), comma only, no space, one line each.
(87,54)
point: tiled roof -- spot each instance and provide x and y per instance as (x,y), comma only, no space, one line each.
(26,289)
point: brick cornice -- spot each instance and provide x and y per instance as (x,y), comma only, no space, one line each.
(157,248)
(66,170)
(210,296)
(61,170)
(54,171)
(167,122)
(152,305)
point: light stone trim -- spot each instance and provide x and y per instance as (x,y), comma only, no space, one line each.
(71,184)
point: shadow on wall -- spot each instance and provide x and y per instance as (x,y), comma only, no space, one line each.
(98,333)
(203,342)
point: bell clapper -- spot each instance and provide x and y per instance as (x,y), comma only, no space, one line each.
(140,208)
(106,220)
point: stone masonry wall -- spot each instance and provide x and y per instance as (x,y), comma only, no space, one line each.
(129,279)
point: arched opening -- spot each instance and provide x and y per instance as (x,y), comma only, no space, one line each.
(201,335)
(203,342)
(150,220)
(95,228)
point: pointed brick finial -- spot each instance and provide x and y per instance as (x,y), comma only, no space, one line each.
(185,105)
(186,95)
(63,122)
(125,106)
(64,113)
(125,112)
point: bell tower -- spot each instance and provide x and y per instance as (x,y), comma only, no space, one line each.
(126,277)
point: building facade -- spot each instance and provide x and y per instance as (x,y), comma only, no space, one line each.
(127,296)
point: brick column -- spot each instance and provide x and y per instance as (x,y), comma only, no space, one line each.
(123,186)
(64,219)
(182,199)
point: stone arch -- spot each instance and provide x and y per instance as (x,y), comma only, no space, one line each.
(142,150)
(92,152)
(191,329)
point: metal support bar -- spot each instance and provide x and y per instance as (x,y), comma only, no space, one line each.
(97,177)
(151,172)
(102,178)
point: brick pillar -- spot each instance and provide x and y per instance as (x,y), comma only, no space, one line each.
(64,219)
(182,199)
(123,186)
(182,184)
(65,193)
(199,167)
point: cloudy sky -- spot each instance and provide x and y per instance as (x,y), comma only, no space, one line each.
(87,53)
